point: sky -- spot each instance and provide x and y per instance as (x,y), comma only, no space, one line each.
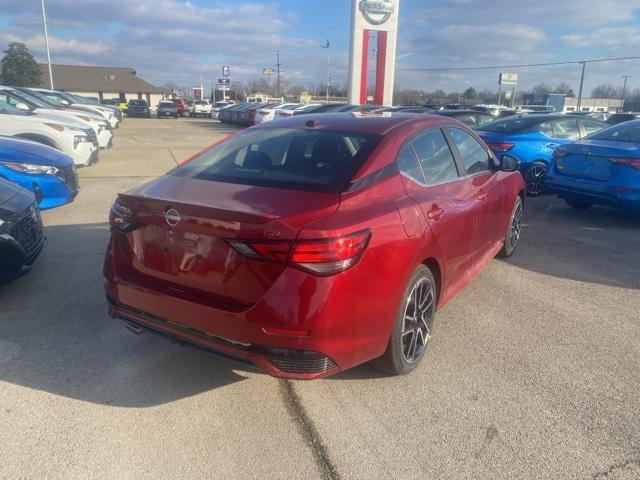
(177,41)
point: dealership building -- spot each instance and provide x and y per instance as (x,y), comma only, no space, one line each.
(102,83)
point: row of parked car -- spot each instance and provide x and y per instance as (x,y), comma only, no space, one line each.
(45,136)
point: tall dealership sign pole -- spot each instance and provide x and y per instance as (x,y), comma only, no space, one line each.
(368,16)
(46,43)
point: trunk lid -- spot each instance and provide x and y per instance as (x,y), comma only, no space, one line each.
(590,158)
(185,252)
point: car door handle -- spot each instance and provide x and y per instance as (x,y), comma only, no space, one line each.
(552,146)
(435,213)
(482,195)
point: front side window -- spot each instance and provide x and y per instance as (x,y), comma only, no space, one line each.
(321,161)
(435,157)
(591,126)
(7,109)
(475,158)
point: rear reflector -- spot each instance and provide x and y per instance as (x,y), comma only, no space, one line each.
(321,257)
(628,162)
(296,361)
(501,147)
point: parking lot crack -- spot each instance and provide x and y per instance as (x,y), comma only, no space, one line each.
(308,431)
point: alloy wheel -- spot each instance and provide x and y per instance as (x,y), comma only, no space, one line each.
(535,179)
(417,320)
(516,226)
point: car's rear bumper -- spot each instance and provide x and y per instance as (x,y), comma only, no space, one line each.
(596,192)
(303,327)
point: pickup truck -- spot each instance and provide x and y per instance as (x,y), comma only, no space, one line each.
(200,108)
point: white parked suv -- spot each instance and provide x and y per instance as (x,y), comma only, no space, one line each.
(59,98)
(268,113)
(78,143)
(200,108)
(78,118)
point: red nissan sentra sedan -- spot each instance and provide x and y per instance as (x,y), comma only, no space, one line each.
(316,243)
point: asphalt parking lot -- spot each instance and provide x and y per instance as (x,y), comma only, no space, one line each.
(533,371)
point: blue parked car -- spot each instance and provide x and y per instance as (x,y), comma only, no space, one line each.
(602,169)
(532,140)
(45,171)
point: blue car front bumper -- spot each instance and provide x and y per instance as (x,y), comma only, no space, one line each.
(53,190)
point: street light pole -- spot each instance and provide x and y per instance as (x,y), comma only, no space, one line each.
(328,47)
(579,106)
(624,91)
(46,42)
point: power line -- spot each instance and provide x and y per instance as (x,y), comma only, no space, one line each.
(522,65)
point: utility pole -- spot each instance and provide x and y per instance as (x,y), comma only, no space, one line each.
(579,107)
(278,65)
(46,42)
(328,47)
(201,86)
(624,91)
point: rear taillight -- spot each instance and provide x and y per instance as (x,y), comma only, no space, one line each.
(557,153)
(501,147)
(320,257)
(121,218)
(627,162)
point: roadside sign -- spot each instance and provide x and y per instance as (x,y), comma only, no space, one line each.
(224,82)
(508,79)
(267,71)
(225,71)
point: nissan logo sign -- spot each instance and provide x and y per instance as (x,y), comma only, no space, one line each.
(376,12)
(172,216)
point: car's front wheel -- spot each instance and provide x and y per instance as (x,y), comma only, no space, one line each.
(580,205)
(535,176)
(514,230)
(412,326)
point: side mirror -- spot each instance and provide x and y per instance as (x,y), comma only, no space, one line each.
(509,163)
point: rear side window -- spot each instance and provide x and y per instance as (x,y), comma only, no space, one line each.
(408,163)
(284,158)
(475,158)
(469,119)
(435,157)
(566,129)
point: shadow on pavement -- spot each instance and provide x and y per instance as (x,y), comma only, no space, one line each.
(598,245)
(56,336)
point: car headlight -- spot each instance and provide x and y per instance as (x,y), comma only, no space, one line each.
(31,168)
(78,139)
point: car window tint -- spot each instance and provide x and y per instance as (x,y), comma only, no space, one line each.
(435,157)
(475,158)
(566,129)
(591,126)
(482,119)
(408,163)
(284,158)
(468,119)
(625,132)
(546,129)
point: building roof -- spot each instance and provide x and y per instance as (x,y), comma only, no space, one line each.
(88,79)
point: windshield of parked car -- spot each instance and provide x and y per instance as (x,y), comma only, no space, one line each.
(7,109)
(137,103)
(510,124)
(284,158)
(625,132)
(201,102)
(29,98)
(167,104)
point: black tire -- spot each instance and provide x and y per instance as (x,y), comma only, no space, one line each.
(580,205)
(534,177)
(513,230)
(404,352)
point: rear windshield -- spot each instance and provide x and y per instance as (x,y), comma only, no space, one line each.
(510,124)
(321,161)
(625,132)
(200,102)
(137,102)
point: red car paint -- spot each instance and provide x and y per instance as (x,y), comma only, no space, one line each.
(189,281)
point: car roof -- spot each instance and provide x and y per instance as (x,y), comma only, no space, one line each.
(358,122)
